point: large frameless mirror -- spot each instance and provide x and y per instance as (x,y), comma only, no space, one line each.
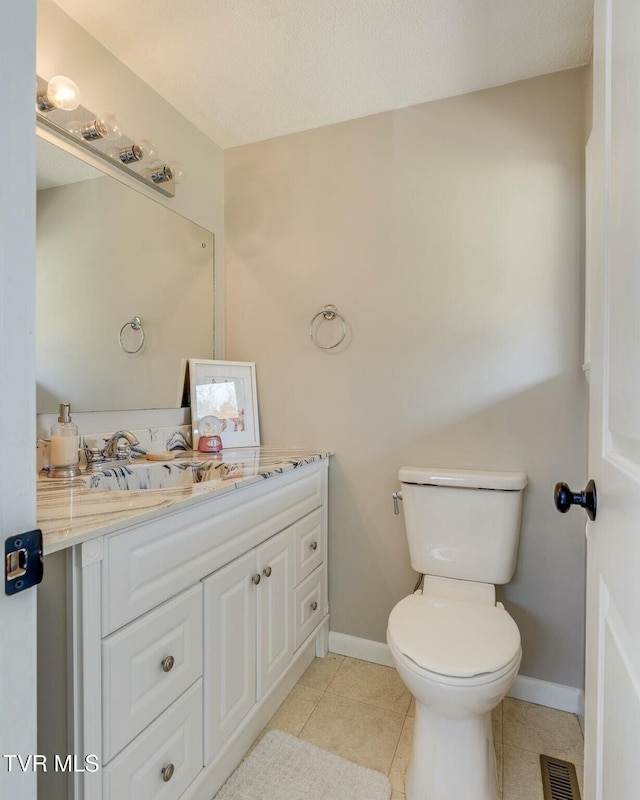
(124,291)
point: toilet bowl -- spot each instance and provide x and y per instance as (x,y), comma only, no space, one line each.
(455,648)
(459,659)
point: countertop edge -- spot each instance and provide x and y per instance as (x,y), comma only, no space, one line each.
(153,503)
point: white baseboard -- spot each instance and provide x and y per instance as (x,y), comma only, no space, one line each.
(533,690)
(364,649)
(545,693)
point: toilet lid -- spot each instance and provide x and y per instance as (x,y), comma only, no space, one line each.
(454,638)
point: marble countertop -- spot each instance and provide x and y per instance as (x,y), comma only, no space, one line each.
(69,512)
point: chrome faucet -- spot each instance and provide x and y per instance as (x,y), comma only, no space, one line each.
(112,450)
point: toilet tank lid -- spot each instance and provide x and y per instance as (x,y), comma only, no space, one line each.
(463,478)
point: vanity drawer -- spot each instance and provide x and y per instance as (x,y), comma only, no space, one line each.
(147,665)
(309,603)
(309,543)
(174,739)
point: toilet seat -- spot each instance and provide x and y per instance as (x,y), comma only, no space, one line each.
(435,678)
(454,639)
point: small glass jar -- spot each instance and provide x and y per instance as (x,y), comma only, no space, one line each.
(64,447)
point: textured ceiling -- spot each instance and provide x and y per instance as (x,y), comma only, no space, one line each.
(245,70)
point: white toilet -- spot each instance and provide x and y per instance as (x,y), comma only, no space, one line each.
(455,648)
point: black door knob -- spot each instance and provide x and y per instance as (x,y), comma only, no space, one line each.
(564,498)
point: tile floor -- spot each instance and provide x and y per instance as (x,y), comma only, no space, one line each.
(363,712)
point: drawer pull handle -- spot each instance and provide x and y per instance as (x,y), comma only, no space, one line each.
(314,545)
(168,663)
(267,572)
(167,772)
(256,578)
(314,605)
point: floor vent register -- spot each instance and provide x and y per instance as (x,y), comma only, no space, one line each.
(559,779)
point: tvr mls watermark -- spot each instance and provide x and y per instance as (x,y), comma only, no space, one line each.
(36,762)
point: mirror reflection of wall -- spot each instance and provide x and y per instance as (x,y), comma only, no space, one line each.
(105,254)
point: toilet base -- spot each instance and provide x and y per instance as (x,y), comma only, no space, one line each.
(452,759)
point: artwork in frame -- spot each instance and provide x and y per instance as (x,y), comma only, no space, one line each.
(226,390)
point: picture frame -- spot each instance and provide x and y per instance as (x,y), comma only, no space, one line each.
(227,390)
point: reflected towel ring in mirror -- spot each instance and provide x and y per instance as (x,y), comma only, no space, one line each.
(329,312)
(135,324)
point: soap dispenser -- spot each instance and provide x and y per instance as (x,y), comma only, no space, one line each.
(63,451)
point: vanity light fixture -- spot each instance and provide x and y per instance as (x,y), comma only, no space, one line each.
(171,171)
(102,135)
(106,126)
(143,151)
(61,92)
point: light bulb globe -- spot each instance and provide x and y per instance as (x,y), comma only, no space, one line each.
(111,125)
(149,150)
(75,128)
(63,93)
(177,171)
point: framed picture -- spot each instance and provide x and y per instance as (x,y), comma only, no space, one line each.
(226,390)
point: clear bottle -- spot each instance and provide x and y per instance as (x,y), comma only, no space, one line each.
(64,447)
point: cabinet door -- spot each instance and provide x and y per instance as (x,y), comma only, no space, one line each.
(275,608)
(230,649)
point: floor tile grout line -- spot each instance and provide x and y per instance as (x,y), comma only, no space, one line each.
(362,703)
(298,735)
(538,753)
(372,705)
(395,752)
(315,705)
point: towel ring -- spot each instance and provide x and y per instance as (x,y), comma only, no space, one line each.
(329,312)
(136,325)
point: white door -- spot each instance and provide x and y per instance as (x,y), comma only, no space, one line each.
(229,649)
(17,387)
(612,733)
(275,608)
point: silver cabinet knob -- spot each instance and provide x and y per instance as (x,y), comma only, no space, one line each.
(167,772)
(314,545)
(267,572)
(256,578)
(314,605)
(168,663)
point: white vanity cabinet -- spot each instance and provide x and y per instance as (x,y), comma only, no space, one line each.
(188,632)
(258,611)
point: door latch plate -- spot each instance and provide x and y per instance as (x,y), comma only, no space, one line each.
(23,561)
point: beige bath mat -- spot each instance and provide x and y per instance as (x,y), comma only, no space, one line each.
(283,767)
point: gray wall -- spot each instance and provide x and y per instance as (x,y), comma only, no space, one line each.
(450,235)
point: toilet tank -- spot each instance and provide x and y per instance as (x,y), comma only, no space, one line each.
(463,524)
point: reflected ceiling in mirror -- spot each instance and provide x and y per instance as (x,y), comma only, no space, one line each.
(106,254)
